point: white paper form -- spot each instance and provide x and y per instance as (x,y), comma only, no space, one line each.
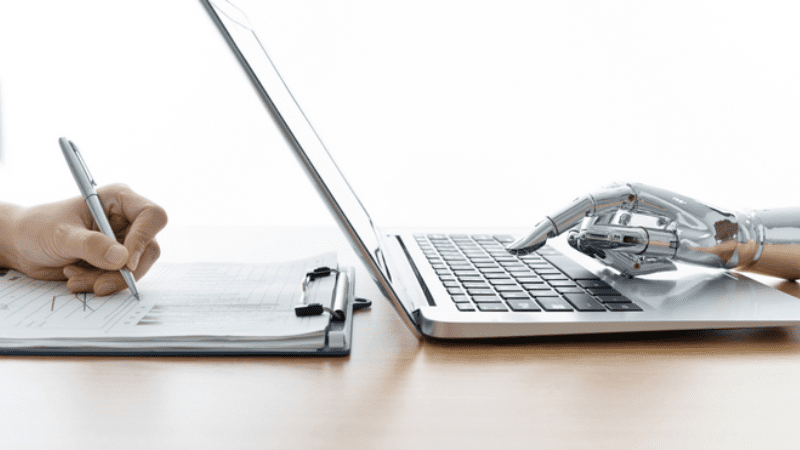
(177,300)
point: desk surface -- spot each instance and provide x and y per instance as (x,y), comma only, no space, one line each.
(735,389)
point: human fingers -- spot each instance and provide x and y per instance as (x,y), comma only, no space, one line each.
(80,278)
(144,217)
(149,256)
(97,249)
(100,282)
(93,280)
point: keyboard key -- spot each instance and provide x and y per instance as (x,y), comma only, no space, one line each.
(522,276)
(521,273)
(514,263)
(481,259)
(476,285)
(602,291)
(613,299)
(483,237)
(494,276)
(492,307)
(486,299)
(553,276)
(508,288)
(523,305)
(584,302)
(593,284)
(455,291)
(466,272)
(470,278)
(502,281)
(506,257)
(480,291)
(451,283)
(544,293)
(623,307)
(520,294)
(535,286)
(460,298)
(561,283)
(554,304)
(569,290)
(465,306)
(571,268)
(534,280)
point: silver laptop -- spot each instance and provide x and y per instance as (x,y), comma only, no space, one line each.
(461,285)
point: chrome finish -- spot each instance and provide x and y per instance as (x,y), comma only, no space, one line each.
(535,239)
(610,200)
(639,229)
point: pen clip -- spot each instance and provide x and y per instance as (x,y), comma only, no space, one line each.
(83,163)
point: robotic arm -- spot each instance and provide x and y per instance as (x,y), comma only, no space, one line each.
(639,229)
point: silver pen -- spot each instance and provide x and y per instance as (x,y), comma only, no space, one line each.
(86,184)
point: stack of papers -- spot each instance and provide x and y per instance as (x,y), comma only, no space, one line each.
(182,307)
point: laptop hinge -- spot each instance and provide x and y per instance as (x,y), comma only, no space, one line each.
(417,275)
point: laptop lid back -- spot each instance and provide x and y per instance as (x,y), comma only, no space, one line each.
(343,203)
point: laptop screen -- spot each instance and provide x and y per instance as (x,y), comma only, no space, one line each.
(331,184)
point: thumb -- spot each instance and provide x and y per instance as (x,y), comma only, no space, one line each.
(93,247)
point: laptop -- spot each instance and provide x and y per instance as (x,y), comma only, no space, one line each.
(463,286)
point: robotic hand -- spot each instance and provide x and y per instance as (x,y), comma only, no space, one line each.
(639,229)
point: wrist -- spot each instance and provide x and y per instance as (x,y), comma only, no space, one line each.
(777,235)
(750,239)
(8,219)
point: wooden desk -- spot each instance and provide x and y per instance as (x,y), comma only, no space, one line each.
(734,389)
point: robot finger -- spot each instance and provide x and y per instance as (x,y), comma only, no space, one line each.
(628,264)
(631,240)
(602,203)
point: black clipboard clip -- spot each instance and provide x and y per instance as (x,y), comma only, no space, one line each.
(338,301)
(336,309)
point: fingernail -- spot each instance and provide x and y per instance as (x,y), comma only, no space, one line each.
(116,255)
(70,271)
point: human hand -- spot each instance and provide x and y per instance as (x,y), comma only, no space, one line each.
(639,229)
(60,241)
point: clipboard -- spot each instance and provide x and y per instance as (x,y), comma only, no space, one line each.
(188,309)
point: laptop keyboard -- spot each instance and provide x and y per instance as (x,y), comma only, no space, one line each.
(480,275)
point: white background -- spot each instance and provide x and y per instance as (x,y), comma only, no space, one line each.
(438,112)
